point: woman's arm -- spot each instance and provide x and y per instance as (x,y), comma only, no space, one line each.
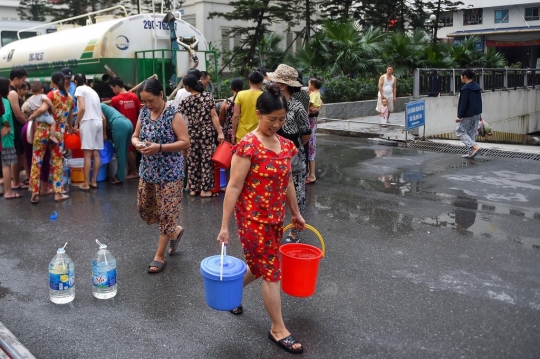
(80,113)
(239,170)
(215,122)
(135,137)
(44,107)
(302,120)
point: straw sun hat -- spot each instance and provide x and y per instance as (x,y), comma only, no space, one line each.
(285,75)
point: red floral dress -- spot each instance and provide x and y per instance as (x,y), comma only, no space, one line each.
(63,104)
(260,209)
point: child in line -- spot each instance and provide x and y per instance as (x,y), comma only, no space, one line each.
(36,101)
(315,104)
(384,112)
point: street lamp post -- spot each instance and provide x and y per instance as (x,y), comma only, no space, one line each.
(433,19)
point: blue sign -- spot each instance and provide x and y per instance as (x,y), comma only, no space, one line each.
(415,114)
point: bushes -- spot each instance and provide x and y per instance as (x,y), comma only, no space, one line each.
(344,89)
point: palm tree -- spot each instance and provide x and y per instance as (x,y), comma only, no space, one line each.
(268,49)
(340,49)
(406,52)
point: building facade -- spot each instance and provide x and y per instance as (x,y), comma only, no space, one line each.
(511,27)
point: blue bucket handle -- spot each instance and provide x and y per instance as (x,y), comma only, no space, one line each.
(223,253)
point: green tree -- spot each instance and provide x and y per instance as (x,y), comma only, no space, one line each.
(34,10)
(341,9)
(340,49)
(258,15)
(406,52)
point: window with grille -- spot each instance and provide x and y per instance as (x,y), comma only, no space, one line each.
(531,14)
(472,17)
(447,20)
(501,16)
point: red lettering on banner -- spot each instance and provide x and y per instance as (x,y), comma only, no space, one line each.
(496,43)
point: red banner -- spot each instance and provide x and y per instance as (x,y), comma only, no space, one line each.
(496,43)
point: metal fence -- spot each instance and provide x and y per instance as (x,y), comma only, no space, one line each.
(432,82)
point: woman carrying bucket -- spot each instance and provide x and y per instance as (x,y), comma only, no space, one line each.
(260,184)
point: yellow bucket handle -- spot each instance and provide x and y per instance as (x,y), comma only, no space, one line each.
(289,226)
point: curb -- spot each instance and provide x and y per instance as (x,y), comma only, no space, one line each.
(331,131)
(10,347)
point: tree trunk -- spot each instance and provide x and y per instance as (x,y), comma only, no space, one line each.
(308,22)
(259,31)
(436,25)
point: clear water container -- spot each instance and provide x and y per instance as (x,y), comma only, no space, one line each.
(61,278)
(104,273)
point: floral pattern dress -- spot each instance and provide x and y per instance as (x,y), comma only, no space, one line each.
(63,105)
(203,140)
(260,209)
(227,126)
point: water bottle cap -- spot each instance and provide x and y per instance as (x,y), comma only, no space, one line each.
(61,250)
(101,245)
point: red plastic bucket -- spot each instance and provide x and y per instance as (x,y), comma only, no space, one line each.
(223,155)
(299,268)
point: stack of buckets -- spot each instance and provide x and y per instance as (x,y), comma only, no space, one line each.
(222,160)
(76,162)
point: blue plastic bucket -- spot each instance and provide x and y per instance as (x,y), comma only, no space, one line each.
(225,294)
(106,154)
(222,178)
(102,173)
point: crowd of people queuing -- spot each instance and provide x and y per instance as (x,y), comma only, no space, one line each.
(272,126)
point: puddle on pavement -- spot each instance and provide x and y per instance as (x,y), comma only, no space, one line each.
(4,292)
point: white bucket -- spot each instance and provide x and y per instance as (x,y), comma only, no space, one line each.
(76,166)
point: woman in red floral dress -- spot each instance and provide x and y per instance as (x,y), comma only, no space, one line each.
(260,185)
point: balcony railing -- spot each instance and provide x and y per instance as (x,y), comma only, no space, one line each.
(435,82)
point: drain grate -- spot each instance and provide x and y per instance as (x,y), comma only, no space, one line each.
(447,148)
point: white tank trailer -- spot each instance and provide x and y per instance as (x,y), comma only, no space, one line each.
(133,48)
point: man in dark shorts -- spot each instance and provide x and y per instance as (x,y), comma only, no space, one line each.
(16,79)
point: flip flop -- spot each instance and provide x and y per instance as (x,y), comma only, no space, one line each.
(310,181)
(212,195)
(160,265)
(35,199)
(93,186)
(237,311)
(113,182)
(287,344)
(173,244)
(62,199)
(22,186)
(16,196)
(473,155)
(84,189)
(290,239)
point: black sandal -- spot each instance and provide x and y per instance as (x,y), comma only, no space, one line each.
(237,311)
(287,344)
(159,265)
(173,244)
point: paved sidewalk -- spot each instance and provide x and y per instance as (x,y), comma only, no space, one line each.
(368,127)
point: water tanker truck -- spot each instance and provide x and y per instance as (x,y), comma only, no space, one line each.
(131,47)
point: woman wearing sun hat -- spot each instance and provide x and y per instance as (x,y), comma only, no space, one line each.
(296,129)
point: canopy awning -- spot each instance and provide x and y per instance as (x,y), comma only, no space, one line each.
(496,31)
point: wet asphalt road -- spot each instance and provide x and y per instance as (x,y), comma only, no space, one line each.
(428,256)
